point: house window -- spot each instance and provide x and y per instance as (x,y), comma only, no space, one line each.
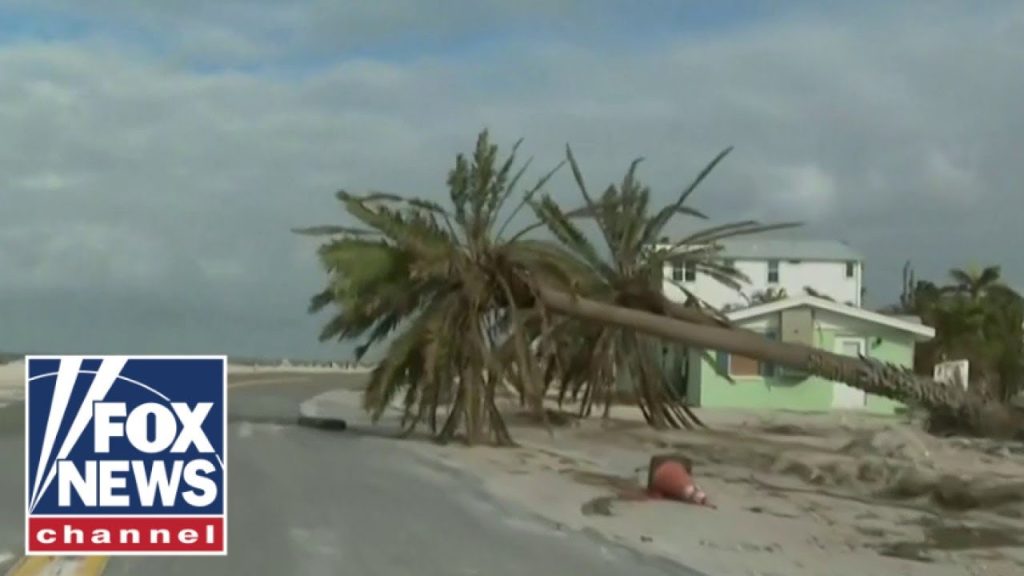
(677,271)
(736,365)
(850,267)
(851,347)
(690,272)
(743,366)
(683,271)
(773,271)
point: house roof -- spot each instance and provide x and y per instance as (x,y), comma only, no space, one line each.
(911,319)
(787,249)
(901,323)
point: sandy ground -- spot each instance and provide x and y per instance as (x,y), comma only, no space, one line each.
(797,494)
(12,382)
(295,369)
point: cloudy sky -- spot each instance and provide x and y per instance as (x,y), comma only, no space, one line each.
(154,155)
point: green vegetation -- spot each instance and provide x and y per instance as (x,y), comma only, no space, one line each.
(594,361)
(976,318)
(449,283)
(469,311)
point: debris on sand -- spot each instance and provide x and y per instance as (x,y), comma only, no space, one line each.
(895,443)
(671,477)
(944,536)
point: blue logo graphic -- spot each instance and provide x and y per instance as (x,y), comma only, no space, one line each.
(124,437)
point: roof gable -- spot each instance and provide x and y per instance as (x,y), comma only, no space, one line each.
(761,249)
(776,249)
(902,324)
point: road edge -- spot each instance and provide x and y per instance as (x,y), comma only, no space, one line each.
(323,411)
(58,565)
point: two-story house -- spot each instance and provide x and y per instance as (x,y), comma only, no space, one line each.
(822,281)
(829,268)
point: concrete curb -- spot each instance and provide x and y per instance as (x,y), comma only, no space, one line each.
(332,409)
(323,411)
(322,423)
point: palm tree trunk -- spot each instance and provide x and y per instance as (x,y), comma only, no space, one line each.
(872,376)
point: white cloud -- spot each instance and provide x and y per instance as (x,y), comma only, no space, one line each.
(950,181)
(59,255)
(878,128)
(806,192)
(45,182)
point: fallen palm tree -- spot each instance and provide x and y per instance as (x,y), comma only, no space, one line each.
(949,406)
(447,289)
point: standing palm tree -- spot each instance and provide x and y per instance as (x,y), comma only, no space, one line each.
(1003,338)
(977,318)
(446,283)
(974,282)
(596,360)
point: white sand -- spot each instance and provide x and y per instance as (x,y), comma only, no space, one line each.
(770,519)
(16,370)
(12,382)
(296,369)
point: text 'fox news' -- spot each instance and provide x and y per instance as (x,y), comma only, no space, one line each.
(126,455)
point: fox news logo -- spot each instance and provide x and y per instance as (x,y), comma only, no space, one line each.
(126,455)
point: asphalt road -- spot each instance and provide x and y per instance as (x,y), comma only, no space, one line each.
(313,502)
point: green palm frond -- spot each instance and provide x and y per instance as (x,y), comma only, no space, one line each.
(446,289)
(550,262)
(331,230)
(409,228)
(583,212)
(599,211)
(527,199)
(656,225)
(550,213)
(632,274)
(494,202)
(710,235)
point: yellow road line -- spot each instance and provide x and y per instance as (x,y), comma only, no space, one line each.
(62,565)
(30,566)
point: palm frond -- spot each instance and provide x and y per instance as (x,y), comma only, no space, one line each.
(655,226)
(527,199)
(598,210)
(331,230)
(548,211)
(445,289)
(410,229)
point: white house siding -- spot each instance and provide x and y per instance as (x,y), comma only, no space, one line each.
(825,277)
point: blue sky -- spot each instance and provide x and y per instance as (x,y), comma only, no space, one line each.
(153,155)
(294,44)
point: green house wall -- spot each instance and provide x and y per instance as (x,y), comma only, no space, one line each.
(788,392)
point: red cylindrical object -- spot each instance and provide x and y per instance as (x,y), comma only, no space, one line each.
(671,480)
